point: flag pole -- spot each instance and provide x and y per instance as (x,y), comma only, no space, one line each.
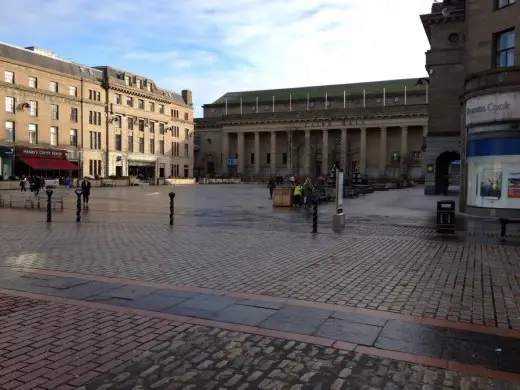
(240,105)
(226,106)
(307,102)
(326,100)
(273,103)
(405,95)
(384,97)
(344,99)
(364,98)
(257,104)
(290,102)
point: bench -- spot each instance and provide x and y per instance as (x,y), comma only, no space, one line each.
(108,183)
(503,225)
(53,183)
(28,199)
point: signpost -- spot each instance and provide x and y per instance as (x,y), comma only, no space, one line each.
(338,219)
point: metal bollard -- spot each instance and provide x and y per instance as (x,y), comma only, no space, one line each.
(172,196)
(78,192)
(315,216)
(49,205)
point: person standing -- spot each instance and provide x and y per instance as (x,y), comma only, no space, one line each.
(307,188)
(85,188)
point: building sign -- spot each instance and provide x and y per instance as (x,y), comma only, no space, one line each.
(6,151)
(41,153)
(232,162)
(492,108)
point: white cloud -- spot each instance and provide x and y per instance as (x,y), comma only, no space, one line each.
(213,46)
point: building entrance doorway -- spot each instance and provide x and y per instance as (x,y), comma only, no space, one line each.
(442,169)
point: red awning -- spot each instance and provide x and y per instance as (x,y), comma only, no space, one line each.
(49,164)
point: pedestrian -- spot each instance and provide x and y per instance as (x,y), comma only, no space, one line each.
(37,184)
(271,185)
(85,188)
(23,183)
(307,189)
(297,195)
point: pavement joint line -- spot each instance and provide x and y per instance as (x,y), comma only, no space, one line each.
(376,352)
(503,332)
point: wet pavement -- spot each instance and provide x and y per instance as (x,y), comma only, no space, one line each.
(386,288)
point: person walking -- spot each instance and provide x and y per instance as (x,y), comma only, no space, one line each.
(271,185)
(307,189)
(23,184)
(85,188)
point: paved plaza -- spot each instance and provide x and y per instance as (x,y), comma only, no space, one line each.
(240,295)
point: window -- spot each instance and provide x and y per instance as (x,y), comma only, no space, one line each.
(117,122)
(161,128)
(175,149)
(186,133)
(186,150)
(117,98)
(54,136)
(33,133)
(94,95)
(140,104)
(284,158)
(141,124)
(53,87)
(152,127)
(129,101)
(94,118)
(9,131)
(252,158)
(33,108)
(94,167)
(175,170)
(504,3)
(151,106)
(149,86)
(152,146)
(505,49)
(90,167)
(130,143)
(128,81)
(54,112)
(138,84)
(118,142)
(74,114)
(186,116)
(161,146)
(141,145)
(9,104)
(73,91)
(130,123)
(186,171)
(175,113)
(94,139)
(176,131)
(73,137)
(268,158)
(32,82)
(9,77)
(161,108)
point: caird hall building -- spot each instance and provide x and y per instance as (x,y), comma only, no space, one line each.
(474,102)
(61,117)
(378,128)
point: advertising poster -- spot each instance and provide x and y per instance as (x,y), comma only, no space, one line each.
(513,186)
(491,184)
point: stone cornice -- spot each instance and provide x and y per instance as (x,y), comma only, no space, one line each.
(49,94)
(143,94)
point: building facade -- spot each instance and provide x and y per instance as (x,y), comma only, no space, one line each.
(64,115)
(484,34)
(376,129)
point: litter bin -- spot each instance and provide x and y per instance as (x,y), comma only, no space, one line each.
(446,216)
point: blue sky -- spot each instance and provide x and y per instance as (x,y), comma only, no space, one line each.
(215,46)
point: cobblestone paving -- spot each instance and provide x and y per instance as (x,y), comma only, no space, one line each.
(47,345)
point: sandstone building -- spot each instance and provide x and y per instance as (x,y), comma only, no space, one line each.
(474,102)
(374,128)
(61,117)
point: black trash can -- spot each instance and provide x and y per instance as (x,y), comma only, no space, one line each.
(446,216)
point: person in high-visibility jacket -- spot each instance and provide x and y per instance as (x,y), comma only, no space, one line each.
(297,195)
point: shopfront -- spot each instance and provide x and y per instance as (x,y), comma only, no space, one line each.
(493,155)
(50,163)
(6,162)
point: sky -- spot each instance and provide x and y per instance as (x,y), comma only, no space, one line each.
(212,46)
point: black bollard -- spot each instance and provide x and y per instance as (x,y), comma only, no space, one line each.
(49,205)
(315,216)
(78,192)
(172,196)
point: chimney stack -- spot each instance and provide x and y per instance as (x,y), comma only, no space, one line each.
(187,97)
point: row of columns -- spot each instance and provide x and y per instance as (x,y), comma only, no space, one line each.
(307,150)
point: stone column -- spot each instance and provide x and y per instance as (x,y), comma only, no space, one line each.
(343,159)
(273,153)
(382,152)
(307,152)
(325,152)
(363,151)
(225,152)
(404,144)
(290,141)
(241,152)
(257,153)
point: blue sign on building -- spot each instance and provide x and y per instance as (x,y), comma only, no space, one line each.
(232,161)
(6,151)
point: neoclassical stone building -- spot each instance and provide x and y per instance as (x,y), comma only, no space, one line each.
(375,128)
